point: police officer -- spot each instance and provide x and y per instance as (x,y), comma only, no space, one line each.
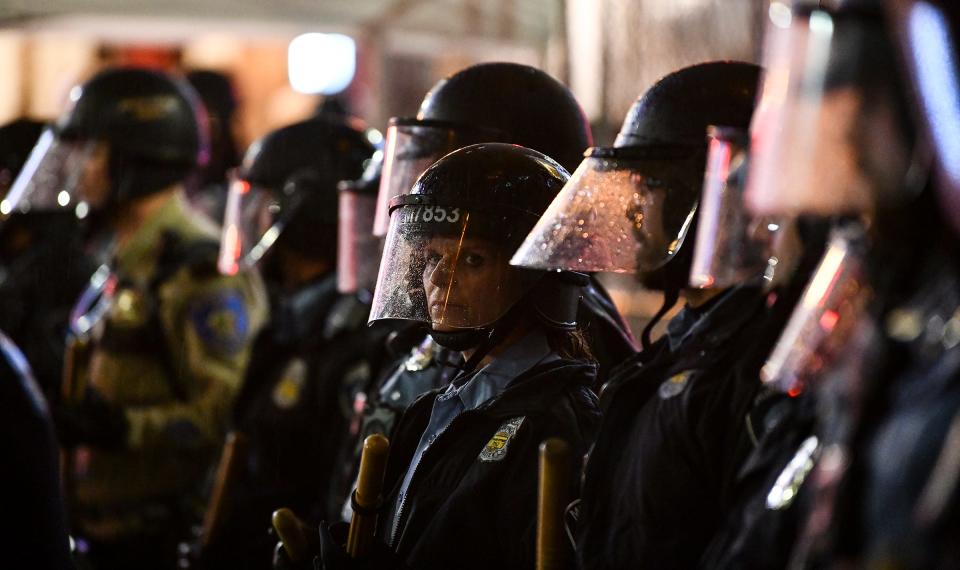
(157,360)
(43,267)
(888,289)
(511,103)
(673,434)
(33,525)
(462,466)
(402,363)
(307,364)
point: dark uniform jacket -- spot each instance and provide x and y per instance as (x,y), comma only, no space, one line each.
(673,438)
(33,525)
(294,408)
(472,502)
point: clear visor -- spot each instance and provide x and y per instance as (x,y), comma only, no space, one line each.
(411,147)
(60,175)
(823,320)
(358,250)
(809,132)
(252,222)
(448,267)
(614,214)
(732,245)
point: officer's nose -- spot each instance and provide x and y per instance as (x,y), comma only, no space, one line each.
(442,273)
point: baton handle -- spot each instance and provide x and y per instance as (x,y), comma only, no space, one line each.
(373,465)
(292,533)
(552,552)
(234,451)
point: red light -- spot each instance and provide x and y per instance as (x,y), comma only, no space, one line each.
(828,320)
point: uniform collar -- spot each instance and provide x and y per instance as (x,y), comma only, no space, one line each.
(491,380)
(717,321)
(137,257)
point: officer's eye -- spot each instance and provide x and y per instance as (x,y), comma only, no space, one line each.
(473,259)
(432,257)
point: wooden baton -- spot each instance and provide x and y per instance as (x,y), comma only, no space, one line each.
(363,525)
(552,551)
(234,452)
(292,533)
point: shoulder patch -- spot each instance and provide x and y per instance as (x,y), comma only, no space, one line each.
(675,384)
(496,448)
(221,322)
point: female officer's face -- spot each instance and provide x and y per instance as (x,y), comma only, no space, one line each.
(468,283)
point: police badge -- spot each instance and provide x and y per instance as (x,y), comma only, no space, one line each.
(496,448)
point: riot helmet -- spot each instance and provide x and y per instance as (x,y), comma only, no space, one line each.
(629,207)
(927,36)
(17,138)
(831,135)
(446,257)
(358,250)
(488,102)
(286,189)
(219,99)
(129,133)
(732,246)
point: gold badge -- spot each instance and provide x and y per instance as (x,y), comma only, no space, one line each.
(286,393)
(674,385)
(129,308)
(496,448)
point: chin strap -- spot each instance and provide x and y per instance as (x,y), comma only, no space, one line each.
(670,298)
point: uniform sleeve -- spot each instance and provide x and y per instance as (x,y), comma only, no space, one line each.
(209,327)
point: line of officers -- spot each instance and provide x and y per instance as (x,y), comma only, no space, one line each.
(801,410)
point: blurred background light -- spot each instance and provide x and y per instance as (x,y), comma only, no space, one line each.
(321,63)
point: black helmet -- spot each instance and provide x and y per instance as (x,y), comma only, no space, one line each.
(154,137)
(358,250)
(489,102)
(219,98)
(630,207)
(286,189)
(17,138)
(446,258)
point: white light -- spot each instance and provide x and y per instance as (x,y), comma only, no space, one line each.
(780,15)
(321,63)
(5,207)
(938,83)
(75,93)
(63,198)
(374,137)
(773,227)
(82,210)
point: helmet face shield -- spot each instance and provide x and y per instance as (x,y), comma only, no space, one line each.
(618,212)
(823,321)
(412,146)
(252,223)
(60,175)
(817,119)
(732,245)
(448,266)
(358,250)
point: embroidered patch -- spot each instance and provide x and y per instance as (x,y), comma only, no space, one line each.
(286,393)
(496,448)
(674,385)
(221,322)
(788,484)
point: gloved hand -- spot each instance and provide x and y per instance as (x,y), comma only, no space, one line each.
(333,553)
(94,421)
